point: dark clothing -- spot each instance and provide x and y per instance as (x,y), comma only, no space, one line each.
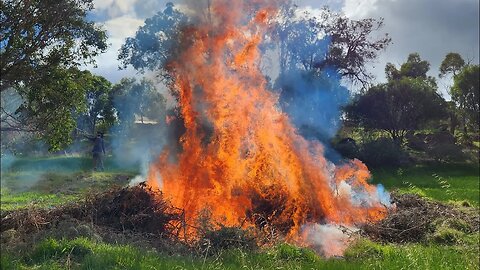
(98,161)
(98,146)
(98,151)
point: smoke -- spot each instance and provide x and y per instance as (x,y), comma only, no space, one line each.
(328,239)
(313,102)
(141,133)
(6,161)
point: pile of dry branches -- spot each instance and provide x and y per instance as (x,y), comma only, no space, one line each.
(414,218)
(137,209)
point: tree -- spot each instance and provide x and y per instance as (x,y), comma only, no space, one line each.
(453,63)
(50,109)
(131,98)
(465,93)
(42,44)
(408,101)
(98,104)
(329,41)
(154,42)
(415,67)
(37,36)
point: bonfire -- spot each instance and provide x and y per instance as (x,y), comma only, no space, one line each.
(241,157)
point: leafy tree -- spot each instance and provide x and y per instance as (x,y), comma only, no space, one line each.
(37,36)
(329,41)
(42,44)
(131,98)
(453,63)
(50,108)
(154,42)
(408,101)
(465,93)
(415,67)
(98,104)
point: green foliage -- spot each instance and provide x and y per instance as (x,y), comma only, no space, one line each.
(407,102)
(364,249)
(462,178)
(293,253)
(382,152)
(447,236)
(447,152)
(42,35)
(51,104)
(82,253)
(466,94)
(452,63)
(154,42)
(98,104)
(131,98)
(43,43)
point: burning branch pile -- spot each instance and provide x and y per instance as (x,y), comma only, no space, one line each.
(240,154)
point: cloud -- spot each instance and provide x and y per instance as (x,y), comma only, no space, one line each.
(430,27)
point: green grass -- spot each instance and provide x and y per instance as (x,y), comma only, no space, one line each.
(46,182)
(452,182)
(13,201)
(82,253)
(49,182)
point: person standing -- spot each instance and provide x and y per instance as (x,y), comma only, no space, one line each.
(98,151)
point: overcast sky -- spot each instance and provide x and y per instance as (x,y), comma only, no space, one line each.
(430,27)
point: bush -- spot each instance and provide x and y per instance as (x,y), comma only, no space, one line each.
(383,152)
(447,152)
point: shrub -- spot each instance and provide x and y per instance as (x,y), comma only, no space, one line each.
(447,152)
(383,152)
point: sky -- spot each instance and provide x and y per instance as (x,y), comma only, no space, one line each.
(432,28)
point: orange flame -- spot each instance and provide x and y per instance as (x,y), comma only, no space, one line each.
(239,148)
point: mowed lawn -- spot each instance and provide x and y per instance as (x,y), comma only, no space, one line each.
(51,181)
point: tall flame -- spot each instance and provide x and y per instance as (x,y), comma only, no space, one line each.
(240,152)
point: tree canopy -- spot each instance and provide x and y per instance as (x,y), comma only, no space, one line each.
(329,41)
(465,93)
(408,101)
(37,36)
(43,42)
(453,63)
(154,42)
(132,98)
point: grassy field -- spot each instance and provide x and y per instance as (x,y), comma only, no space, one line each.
(49,182)
(445,182)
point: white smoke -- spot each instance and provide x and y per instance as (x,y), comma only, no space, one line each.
(328,239)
